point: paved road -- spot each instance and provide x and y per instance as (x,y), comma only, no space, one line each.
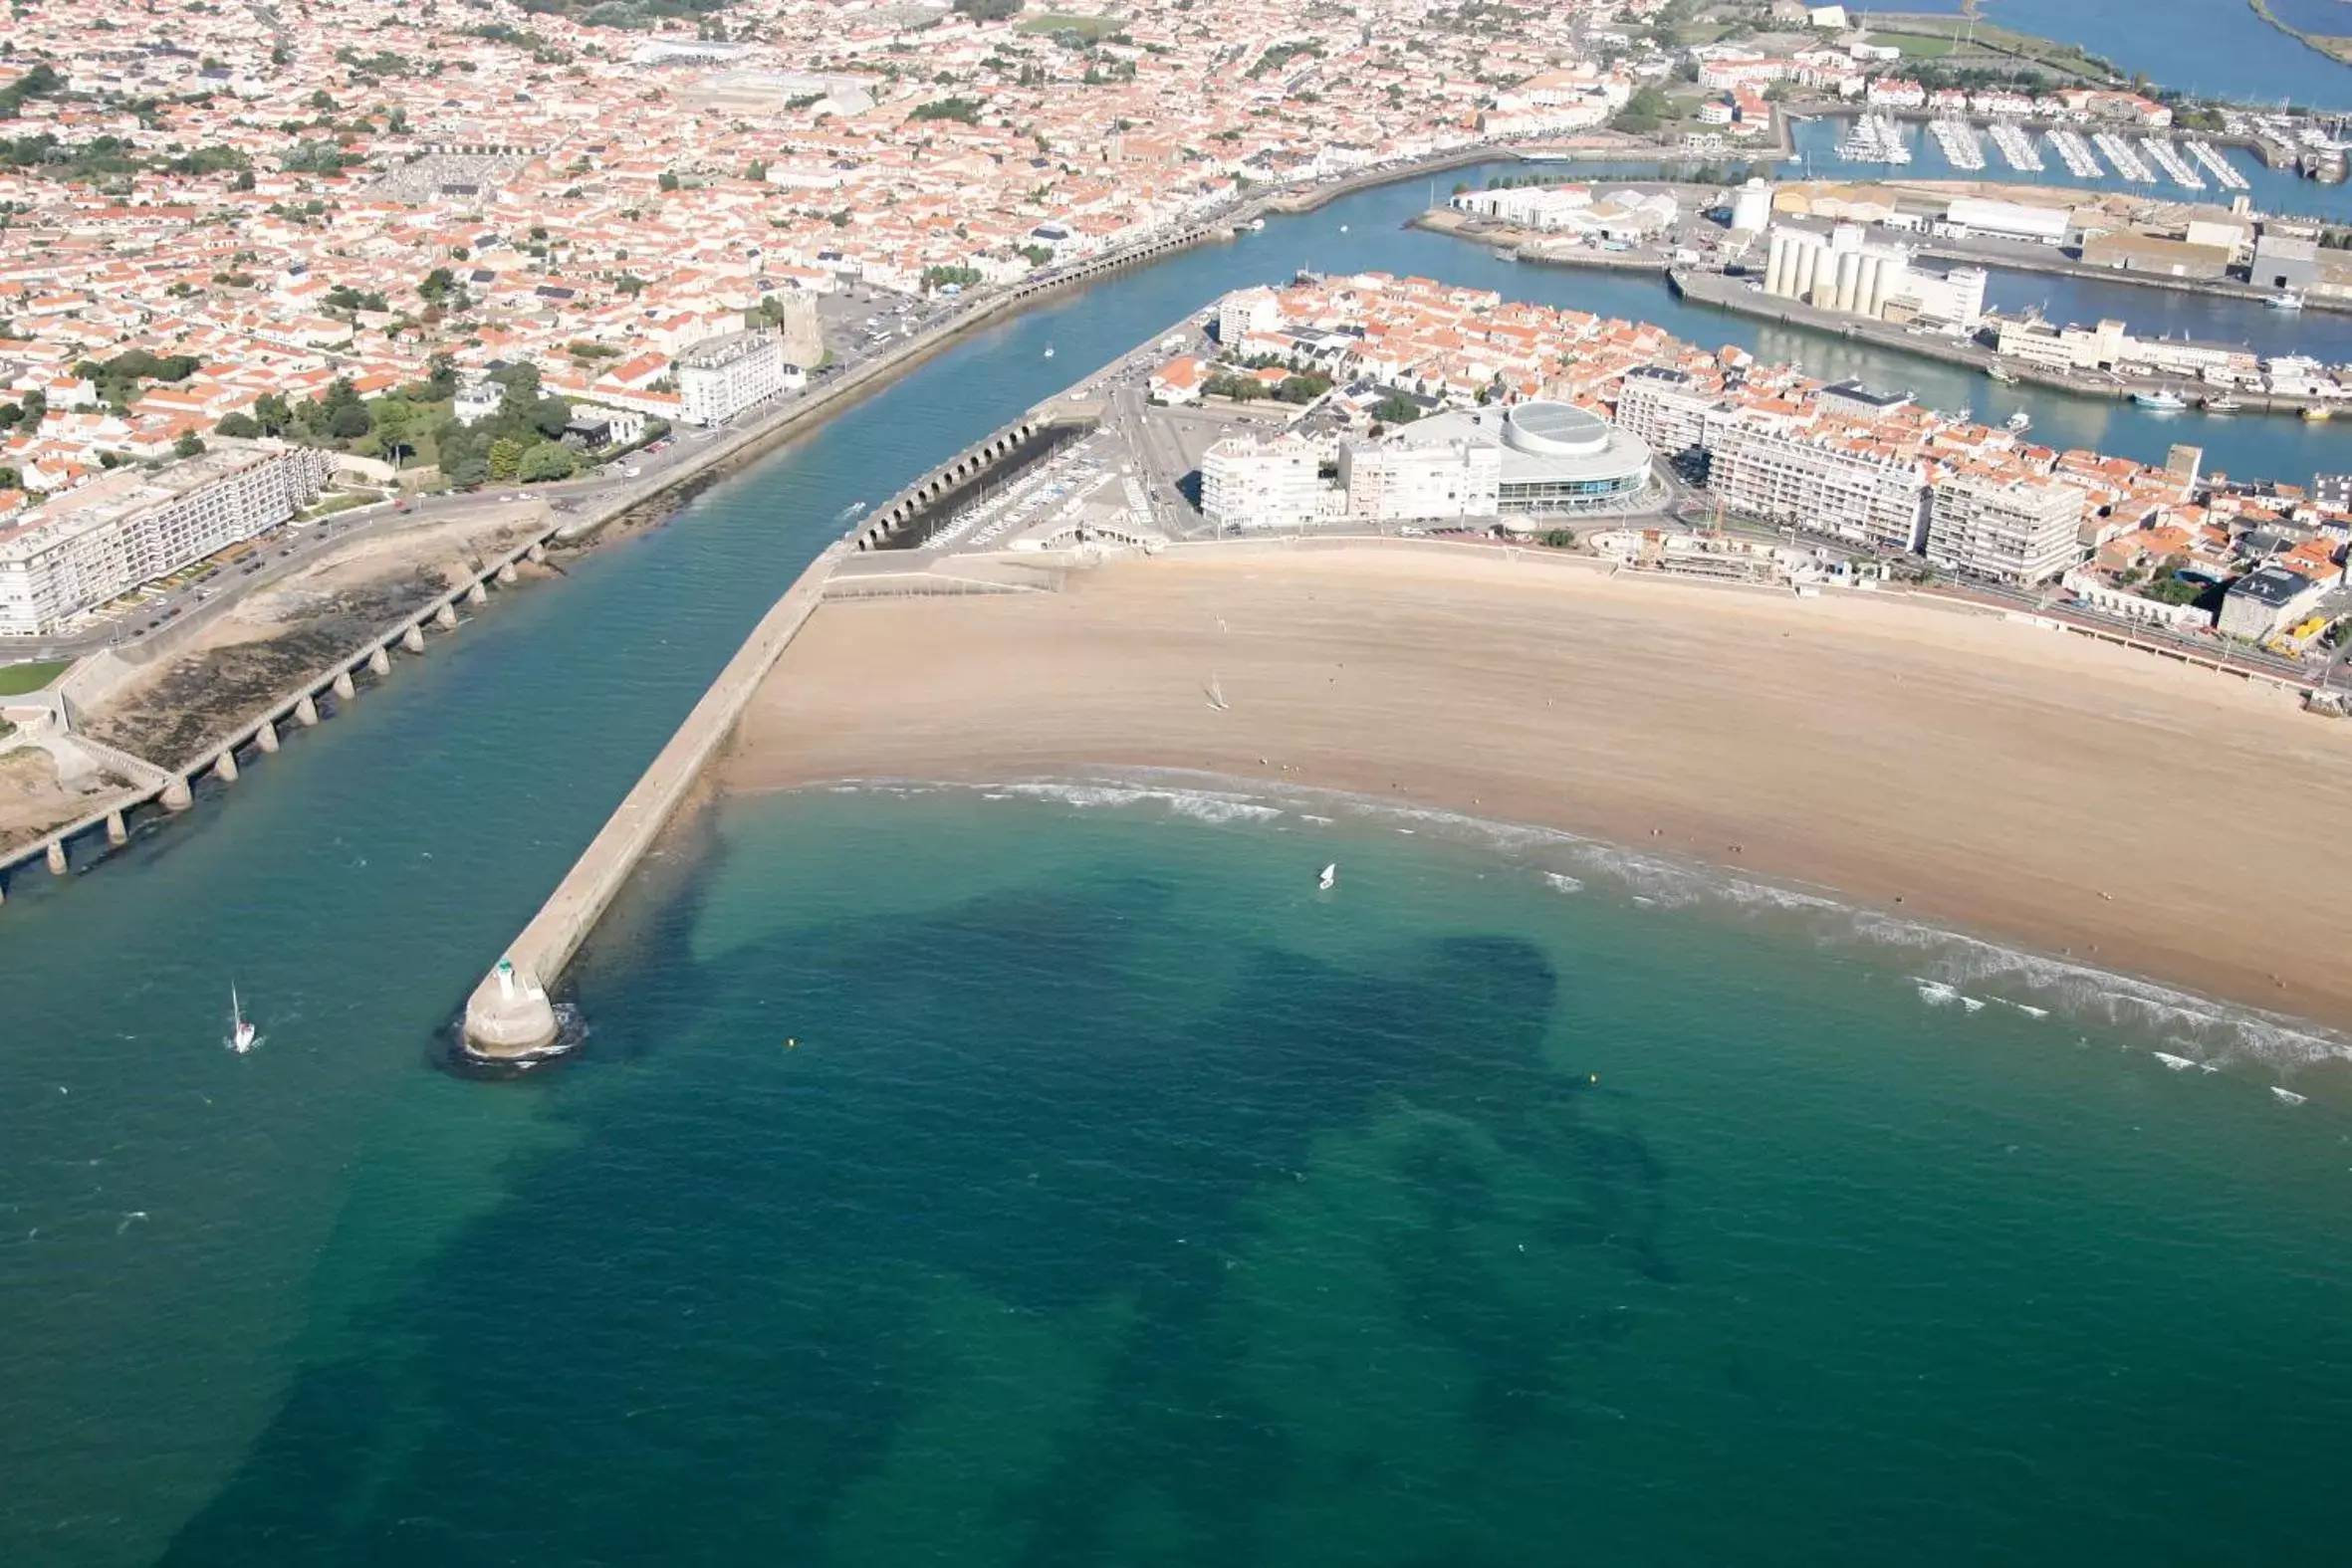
(288,549)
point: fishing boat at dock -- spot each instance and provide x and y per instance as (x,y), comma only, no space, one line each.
(2161,401)
(2224,404)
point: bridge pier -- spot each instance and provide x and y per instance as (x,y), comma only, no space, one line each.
(378,661)
(477,596)
(507,575)
(344,688)
(57,858)
(306,710)
(118,831)
(536,554)
(413,638)
(176,796)
(266,737)
(445,616)
(225,770)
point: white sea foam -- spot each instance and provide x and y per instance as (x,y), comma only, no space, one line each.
(2289,1096)
(2176,1063)
(1562,882)
(1965,971)
(1935,993)
(1207,805)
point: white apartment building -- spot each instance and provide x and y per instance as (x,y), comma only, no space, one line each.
(721,377)
(1433,482)
(1666,408)
(2011,530)
(1770,471)
(1251,484)
(102,541)
(1246,311)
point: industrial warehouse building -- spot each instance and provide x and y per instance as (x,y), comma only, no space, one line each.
(1840,270)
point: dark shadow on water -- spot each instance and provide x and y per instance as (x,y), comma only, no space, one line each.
(685,1338)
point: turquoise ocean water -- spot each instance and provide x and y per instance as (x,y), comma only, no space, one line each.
(977,1177)
(1122,1200)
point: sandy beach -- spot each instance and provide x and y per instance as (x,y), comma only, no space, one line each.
(1992,776)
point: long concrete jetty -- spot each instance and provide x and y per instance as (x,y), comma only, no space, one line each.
(509,1017)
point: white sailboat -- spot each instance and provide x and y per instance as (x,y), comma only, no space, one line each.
(1048,351)
(1329,876)
(242,1037)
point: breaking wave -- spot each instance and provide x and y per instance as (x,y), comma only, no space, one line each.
(1950,969)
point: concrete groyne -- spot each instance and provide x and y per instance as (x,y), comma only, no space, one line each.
(509,1017)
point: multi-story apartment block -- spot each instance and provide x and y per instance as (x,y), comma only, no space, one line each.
(96,542)
(2011,528)
(1404,481)
(721,377)
(1666,408)
(1251,484)
(1772,470)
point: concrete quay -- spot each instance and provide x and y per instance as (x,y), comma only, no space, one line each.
(1732,294)
(510,1017)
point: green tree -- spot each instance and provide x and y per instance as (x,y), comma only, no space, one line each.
(1644,112)
(395,427)
(1302,388)
(1396,409)
(543,461)
(238,426)
(348,422)
(189,444)
(436,285)
(963,110)
(506,455)
(271,414)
